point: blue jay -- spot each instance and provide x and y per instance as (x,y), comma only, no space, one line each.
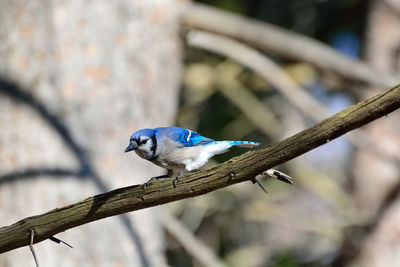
(182,150)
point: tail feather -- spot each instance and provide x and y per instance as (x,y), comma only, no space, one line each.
(243,143)
(218,147)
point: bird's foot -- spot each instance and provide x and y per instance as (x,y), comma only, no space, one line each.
(146,184)
(178,176)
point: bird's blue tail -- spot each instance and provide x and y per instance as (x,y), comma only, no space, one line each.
(239,143)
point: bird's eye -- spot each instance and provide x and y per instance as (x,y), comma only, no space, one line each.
(145,141)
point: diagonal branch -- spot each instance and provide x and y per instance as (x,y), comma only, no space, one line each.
(236,170)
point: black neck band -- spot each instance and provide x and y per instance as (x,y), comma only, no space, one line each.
(153,147)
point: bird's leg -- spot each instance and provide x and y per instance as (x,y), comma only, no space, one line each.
(180,174)
(146,184)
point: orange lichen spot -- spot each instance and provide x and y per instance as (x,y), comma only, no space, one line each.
(62,203)
(147,79)
(82,23)
(27,31)
(97,73)
(22,63)
(91,49)
(12,160)
(111,133)
(158,15)
(68,90)
(110,163)
(121,39)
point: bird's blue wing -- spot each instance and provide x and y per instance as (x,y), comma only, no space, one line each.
(184,137)
(195,139)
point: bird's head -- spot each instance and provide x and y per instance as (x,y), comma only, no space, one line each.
(143,142)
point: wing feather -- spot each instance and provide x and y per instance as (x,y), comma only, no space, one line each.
(184,137)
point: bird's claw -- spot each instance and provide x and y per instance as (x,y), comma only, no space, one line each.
(175,181)
(152,179)
(146,184)
(177,177)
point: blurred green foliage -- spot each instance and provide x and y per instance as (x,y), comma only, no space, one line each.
(239,223)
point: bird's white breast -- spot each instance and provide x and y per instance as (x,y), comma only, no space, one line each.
(189,158)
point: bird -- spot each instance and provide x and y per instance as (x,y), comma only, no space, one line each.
(181,150)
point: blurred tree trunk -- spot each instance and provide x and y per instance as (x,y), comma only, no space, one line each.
(376,178)
(97,71)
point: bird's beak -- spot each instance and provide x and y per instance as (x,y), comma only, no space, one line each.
(131,147)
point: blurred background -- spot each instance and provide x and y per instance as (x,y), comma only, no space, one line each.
(77,78)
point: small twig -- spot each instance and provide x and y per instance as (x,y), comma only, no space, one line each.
(254,180)
(32,249)
(59,241)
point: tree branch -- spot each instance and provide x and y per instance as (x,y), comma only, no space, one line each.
(282,42)
(236,170)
